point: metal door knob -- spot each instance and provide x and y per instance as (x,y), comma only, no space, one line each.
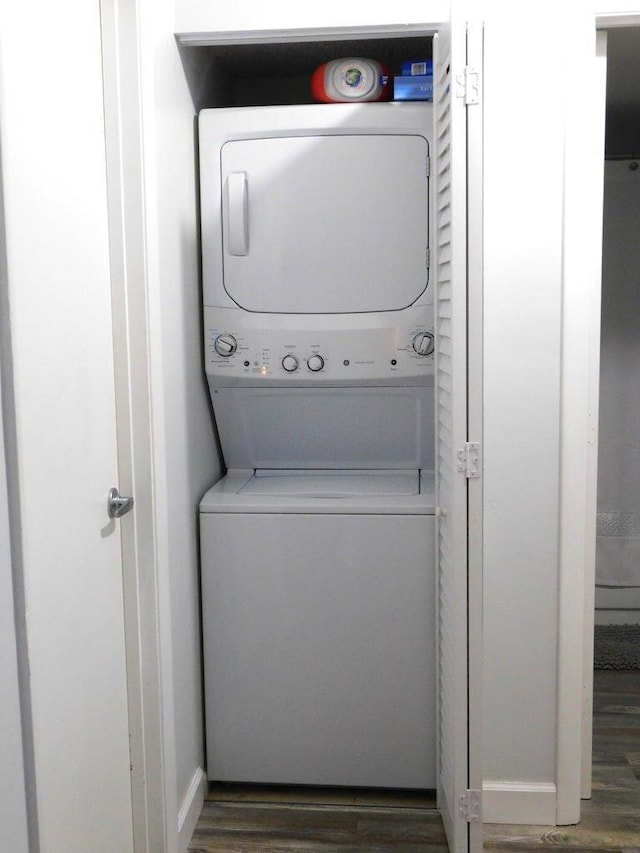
(118,506)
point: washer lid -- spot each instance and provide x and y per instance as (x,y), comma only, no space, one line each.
(331,484)
(325,224)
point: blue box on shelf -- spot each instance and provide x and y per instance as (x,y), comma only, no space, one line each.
(417,67)
(413,88)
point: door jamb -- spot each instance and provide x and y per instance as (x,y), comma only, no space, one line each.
(579,419)
(475,418)
(150,789)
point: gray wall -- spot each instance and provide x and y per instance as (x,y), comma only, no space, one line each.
(13,810)
(189,456)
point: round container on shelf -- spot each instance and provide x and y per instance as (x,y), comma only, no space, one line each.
(350,80)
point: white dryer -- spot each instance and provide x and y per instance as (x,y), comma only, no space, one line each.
(317,546)
(316,268)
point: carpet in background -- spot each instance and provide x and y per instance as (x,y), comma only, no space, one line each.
(616,647)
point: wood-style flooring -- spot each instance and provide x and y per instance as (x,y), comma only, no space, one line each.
(282,820)
(255,819)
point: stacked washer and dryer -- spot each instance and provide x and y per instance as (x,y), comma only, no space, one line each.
(317,546)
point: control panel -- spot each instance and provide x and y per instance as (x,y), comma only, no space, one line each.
(378,354)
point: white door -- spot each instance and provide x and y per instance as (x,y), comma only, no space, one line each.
(458,802)
(62,441)
(373,210)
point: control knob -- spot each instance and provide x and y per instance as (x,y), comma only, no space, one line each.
(315,362)
(423,343)
(225,345)
(290,363)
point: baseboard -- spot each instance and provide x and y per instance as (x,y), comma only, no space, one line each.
(519,802)
(630,616)
(191,808)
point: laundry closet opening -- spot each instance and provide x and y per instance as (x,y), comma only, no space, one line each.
(318,568)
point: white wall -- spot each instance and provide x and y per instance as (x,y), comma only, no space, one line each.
(13,800)
(523,185)
(204,16)
(185,449)
(14,830)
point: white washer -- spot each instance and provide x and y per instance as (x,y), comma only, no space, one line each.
(319,632)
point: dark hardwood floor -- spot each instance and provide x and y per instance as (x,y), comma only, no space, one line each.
(282,820)
(257,819)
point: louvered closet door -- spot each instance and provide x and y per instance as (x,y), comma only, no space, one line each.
(451,424)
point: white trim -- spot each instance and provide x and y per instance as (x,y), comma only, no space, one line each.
(205,39)
(582,244)
(150,780)
(584,159)
(475,417)
(594,296)
(621,616)
(519,803)
(154,16)
(191,808)
(618,20)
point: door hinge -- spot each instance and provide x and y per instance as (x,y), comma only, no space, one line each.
(469,461)
(468,85)
(428,167)
(470,806)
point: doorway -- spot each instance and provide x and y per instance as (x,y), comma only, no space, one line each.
(617,528)
(617,595)
(457,777)
(582,285)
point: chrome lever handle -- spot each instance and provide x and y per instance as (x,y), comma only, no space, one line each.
(118,506)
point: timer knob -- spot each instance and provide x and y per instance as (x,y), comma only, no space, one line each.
(225,345)
(423,343)
(290,363)
(315,363)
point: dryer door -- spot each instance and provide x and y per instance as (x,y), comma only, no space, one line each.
(325,224)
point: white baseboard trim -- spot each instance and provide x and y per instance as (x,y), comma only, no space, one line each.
(191,808)
(519,802)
